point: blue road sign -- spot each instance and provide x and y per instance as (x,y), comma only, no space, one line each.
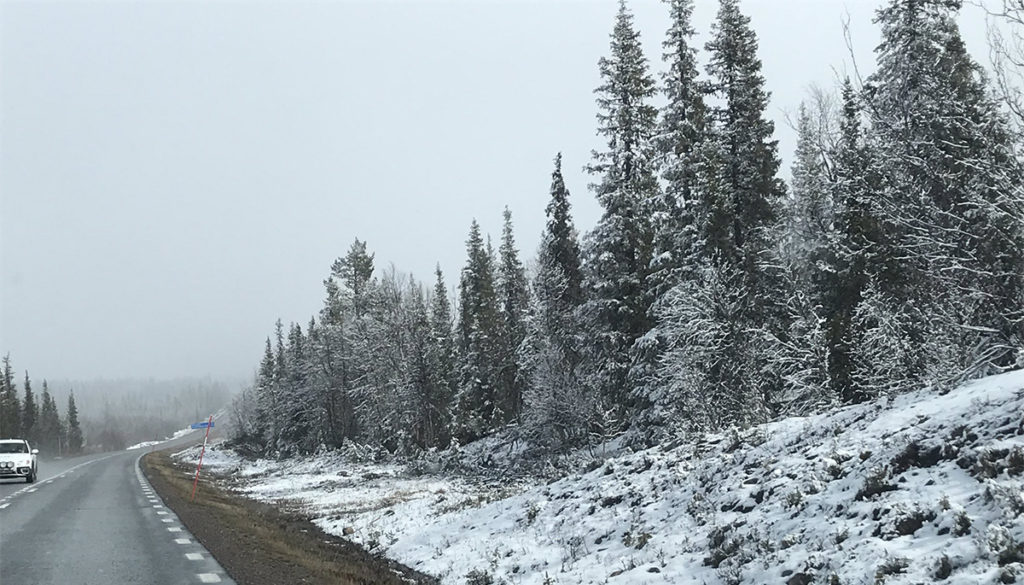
(202,425)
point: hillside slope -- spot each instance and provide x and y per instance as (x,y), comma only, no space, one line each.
(923,488)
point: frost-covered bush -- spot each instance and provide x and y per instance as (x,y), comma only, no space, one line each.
(1002,546)
(876,483)
(892,566)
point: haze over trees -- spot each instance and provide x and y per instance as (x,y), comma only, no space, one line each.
(711,293)
(39,423)
(67,418)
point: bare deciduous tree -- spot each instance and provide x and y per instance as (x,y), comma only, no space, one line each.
(1006,47)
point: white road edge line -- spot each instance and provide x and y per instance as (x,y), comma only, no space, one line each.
(194,556)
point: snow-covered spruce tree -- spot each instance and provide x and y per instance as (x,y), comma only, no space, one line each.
(29,413)
(680,134)
(279,374)
(10,405)
(949,195)
(513,302)
(558,410)
(617,258)
(727,316)
(318,387)
(479,329)
(558,263)
(332,354)
(678,141)
(443,363)
(74,438)
(263,433)
(50,440)
(751,190)
(747,159)
(427,390)
(298,432)
(862,251)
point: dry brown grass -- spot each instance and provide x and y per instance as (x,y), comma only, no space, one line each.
(258,544)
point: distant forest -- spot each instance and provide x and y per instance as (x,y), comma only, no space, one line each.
(38,419)
(711,294)
(102,415)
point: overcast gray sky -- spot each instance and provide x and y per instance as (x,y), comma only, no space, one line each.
(177,175)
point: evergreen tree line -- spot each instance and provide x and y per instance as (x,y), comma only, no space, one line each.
(710,294)
(37,421)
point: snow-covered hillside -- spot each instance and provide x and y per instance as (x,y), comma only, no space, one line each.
(923,488)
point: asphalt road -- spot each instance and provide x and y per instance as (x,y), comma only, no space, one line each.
(95,520)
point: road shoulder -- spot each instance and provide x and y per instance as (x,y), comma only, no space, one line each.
(258,544)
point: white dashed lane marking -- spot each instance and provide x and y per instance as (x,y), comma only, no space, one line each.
(182,541)
(2,506)
(194,556)
(173,529)
(209,577)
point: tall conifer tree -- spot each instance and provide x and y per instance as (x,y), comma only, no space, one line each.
(559,410)
(443,359)
(50,439)
(950,200)
(75,440)
(619,249)
(679,141)
(29,413)
(479,329)
(513,299)
(751,190)
(717,368)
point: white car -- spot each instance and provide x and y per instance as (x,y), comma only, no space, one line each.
(18,459)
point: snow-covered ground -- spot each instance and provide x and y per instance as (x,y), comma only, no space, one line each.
(921,488)
(177,434)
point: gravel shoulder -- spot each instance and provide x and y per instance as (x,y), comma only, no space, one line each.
(258,544)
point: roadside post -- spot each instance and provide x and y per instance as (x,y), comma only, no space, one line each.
(199,425)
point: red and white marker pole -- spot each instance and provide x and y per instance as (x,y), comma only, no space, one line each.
(195,482)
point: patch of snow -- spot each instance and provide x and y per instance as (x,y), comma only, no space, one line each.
(177,434)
